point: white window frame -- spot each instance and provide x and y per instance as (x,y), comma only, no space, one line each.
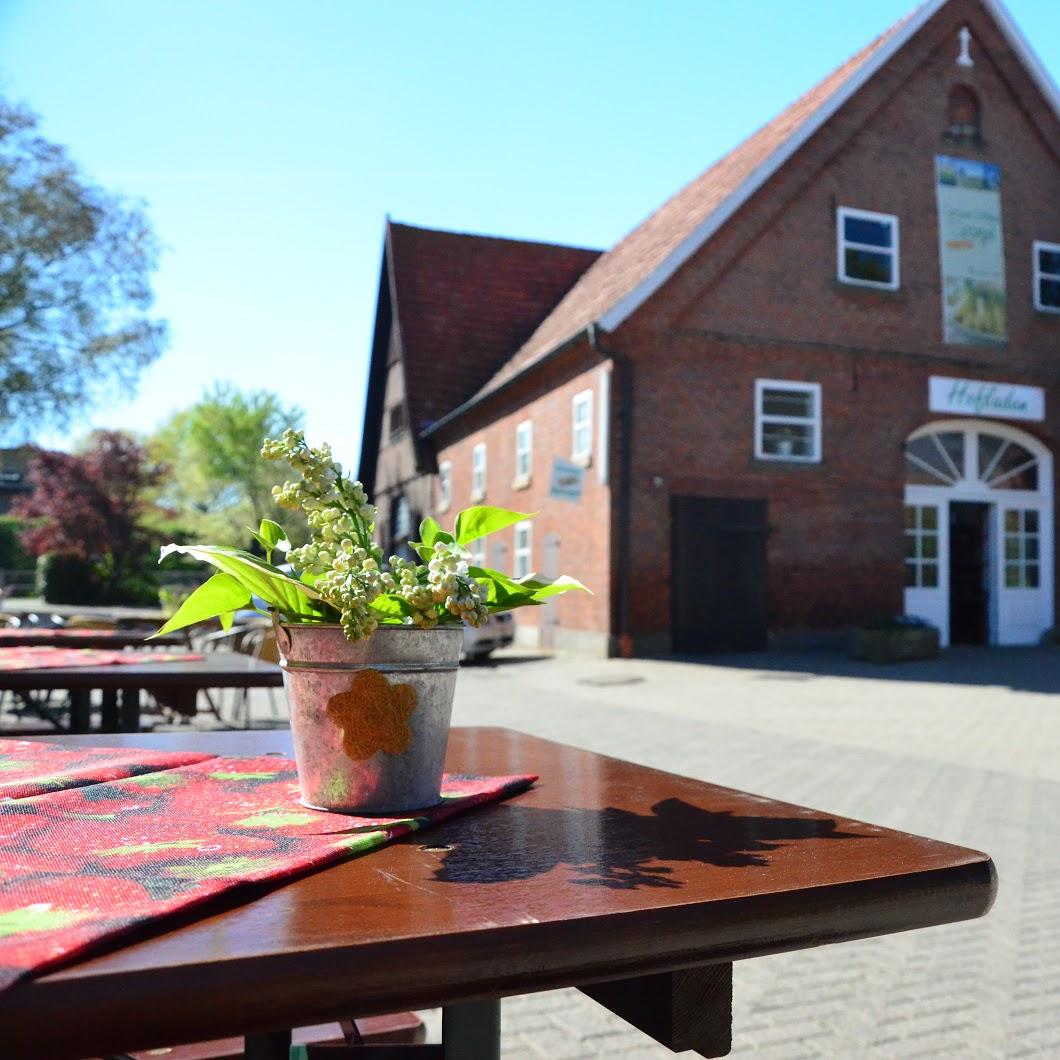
(761,418)
(1054,248)
(477,548)
(524,450)
(445,485)
(842,213)
(478,473)
(583,399)
(523,556)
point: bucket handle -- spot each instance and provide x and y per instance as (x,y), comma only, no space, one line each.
(283,638)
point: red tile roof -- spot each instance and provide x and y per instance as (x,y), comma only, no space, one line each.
(464,303)
(636,257)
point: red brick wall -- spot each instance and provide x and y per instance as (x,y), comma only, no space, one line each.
(582,527)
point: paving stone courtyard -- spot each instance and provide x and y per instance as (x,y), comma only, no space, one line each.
(964,749)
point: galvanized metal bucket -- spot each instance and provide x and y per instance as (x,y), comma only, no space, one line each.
(370,718)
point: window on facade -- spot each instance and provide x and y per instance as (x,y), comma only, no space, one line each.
(477,548)
(522,549)
(524,449)
(478,472)
(1047,277)
(787,421)
(445,485)
(962,116)
(974,456)
(398,421)
(581,447)
(921,546)
(868,248)
(401,527)
(1022,559)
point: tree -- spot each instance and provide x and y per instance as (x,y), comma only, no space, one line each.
(74,268)
(91,506)
(217,484)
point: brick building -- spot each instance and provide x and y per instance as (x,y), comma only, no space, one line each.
(817,385)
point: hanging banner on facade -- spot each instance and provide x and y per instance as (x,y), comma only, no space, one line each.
(971,251)
(979,397)
(566,481)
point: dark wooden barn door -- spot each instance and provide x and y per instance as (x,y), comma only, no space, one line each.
(718,574)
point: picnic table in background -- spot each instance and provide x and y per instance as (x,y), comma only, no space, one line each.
(64,637)
(120,677)
(637,886)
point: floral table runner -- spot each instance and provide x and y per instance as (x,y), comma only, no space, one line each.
(96,842)
(42,657)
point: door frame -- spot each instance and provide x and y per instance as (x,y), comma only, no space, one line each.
(970,488)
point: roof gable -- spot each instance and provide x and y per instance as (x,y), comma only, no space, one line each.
(464,302)
(624,277)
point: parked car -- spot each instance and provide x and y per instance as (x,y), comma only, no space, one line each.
(498,631)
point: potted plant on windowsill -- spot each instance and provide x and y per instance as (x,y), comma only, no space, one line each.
(894,639)
(369,651)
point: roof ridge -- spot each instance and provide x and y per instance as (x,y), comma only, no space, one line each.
(391,223)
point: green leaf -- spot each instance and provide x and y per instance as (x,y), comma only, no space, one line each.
(473,523)
(220,595)
(290,597)
(275,535)
(430,532)
(563,584)
(394,609)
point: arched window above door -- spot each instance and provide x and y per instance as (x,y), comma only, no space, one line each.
(978,455)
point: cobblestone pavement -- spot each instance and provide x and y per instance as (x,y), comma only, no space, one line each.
(965,749)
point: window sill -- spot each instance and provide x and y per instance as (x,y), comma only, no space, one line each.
(1047,311)
(521,483)
(477,495)
(586,460)
(788,461)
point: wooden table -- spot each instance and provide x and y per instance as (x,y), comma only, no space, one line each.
(639,887)
(59,637)
(121,684)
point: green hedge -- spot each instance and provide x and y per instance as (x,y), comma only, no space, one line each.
(12,555)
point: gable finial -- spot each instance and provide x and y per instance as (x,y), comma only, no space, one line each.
(965,36)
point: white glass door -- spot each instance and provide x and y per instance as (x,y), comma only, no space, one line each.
(927,561)
(1023,570)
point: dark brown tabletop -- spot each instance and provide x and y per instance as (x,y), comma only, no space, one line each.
(31,637)
(179,680)
(604,870)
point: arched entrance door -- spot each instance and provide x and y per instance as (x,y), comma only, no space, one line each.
(979,532)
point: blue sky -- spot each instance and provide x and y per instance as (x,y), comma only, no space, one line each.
(271,139)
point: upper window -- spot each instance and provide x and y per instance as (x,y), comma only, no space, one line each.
(477,548)
(478,472)
(398,422)
(970,456)
(522,549)
(445,485)
(962,116)
(787,421)
(581,447)
(867,248)
(1047,277)
(524,449)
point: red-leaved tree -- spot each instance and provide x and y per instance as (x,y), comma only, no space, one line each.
(91,506)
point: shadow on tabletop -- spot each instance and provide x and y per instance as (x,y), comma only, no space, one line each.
(1032,669)
(620,849)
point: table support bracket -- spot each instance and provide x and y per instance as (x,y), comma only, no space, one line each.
(689,1009)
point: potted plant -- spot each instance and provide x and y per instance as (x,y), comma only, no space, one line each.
(369,651)
(894,638)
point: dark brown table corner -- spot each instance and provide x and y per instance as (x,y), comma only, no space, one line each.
(638,886)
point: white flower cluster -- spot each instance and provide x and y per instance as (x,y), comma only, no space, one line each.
(347,564)
(453,587)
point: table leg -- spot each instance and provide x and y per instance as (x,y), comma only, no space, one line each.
(270,1045)
(130,710)
(472,1031)
(80,710)
(108,718)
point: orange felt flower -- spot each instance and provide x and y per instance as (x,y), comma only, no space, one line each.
(373,715)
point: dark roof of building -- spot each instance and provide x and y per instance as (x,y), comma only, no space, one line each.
(464,303)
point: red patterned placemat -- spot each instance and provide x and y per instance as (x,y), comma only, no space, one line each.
(41,657)
(82,866)
(31,767)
